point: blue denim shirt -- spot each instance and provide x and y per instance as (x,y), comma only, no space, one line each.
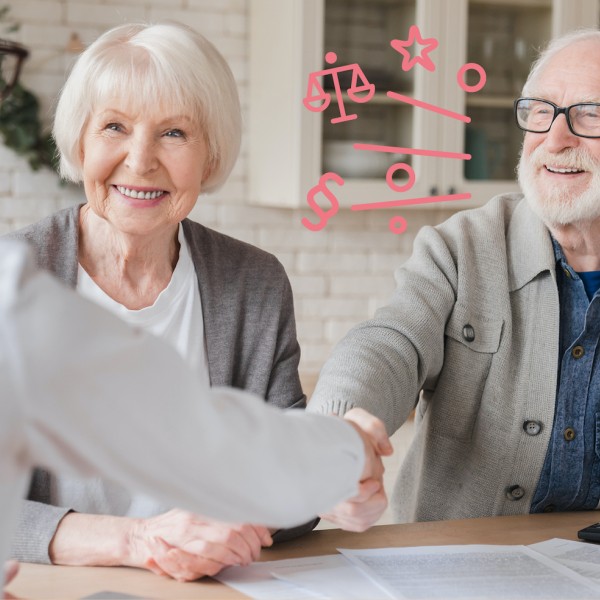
(570,478)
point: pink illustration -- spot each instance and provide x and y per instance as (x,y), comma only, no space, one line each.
(460,77)
(324,215)
(431,107)
(397,224)
(423,59)
(360,90)
(389,177)
(358,85)
(399,150)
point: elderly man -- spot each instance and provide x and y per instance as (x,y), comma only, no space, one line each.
(493,330)
(69,373)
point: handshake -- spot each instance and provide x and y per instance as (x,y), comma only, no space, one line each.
(362,511)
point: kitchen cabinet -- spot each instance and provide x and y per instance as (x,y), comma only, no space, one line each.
(290,146)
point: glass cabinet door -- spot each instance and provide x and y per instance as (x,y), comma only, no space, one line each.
(359,33)
(503,39)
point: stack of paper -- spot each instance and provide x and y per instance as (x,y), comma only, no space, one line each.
(555,569)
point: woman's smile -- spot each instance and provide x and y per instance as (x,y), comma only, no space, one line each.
(140,197)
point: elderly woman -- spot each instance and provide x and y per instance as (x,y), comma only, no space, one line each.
(149,119)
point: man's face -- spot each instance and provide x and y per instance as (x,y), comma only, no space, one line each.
(559,172)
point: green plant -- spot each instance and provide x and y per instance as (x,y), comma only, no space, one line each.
(20,125)
(22,131)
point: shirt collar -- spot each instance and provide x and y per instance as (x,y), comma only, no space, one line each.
(529,247)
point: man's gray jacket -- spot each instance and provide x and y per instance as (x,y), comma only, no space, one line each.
(471,338)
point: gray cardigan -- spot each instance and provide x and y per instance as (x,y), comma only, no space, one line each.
(471,338)
(250,334)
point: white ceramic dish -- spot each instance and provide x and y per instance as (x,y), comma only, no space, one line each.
(342,158)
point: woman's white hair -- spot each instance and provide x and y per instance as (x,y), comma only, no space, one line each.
(167,65)
(552,49)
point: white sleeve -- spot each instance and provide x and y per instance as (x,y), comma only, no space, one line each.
(101,397)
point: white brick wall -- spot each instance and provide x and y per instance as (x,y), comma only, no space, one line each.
(338,275)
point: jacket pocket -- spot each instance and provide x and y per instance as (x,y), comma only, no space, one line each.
(471,340)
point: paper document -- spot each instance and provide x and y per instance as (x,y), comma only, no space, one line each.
(257,580)
(334,576)
(476,571)
(579,556)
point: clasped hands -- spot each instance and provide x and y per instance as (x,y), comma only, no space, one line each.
(363,510)
(185,546)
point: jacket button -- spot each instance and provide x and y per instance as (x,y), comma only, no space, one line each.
(468,333)
(515,492)
(532,427)
(578,352)
(569,434)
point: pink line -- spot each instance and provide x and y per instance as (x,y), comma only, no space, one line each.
(408,201)
(398,150)
(431,107)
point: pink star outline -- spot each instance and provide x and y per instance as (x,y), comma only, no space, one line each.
(401,46)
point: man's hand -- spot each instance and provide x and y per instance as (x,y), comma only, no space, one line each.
(362,511)
(375,439)
(186,546)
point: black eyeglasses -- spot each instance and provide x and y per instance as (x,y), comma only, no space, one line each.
(12,56)
(537,116)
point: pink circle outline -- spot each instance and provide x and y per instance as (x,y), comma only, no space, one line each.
(475,67)
(398,225)
(397,167)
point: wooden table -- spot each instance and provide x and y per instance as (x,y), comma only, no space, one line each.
(49,582)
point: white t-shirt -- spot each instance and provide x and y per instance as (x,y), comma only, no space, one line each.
(73,377)
(176,318)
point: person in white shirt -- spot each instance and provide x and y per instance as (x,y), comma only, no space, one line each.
(148,119)
(72,376)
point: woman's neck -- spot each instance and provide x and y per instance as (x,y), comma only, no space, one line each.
(132,269)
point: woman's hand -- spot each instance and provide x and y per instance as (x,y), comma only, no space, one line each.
(186,546)
(177,543)
(11,568)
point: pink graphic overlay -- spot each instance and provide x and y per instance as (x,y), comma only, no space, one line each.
(398,225)
(410,201)
(431,107)
(393,170)
(422,58)
(460,77)
(399,150)
(324,215)
(316,93)
(415,50)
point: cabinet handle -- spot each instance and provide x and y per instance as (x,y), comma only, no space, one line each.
(433,191)
(451,190)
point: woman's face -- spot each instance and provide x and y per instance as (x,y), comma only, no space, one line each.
(142,170)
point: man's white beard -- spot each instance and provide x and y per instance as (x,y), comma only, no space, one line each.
(557,205)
